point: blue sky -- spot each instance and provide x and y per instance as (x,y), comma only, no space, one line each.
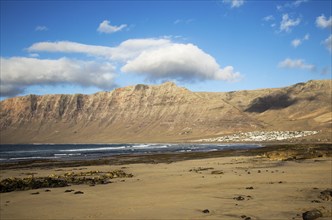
(87,46)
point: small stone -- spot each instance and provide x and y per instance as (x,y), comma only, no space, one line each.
(250,187)
(316,201)
(69,190)
(311,215)
(239,198)
(78,192)
(35,193)
(259,171)
(206,211)
(47,190)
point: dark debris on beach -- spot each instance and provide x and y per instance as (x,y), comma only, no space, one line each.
(53,181)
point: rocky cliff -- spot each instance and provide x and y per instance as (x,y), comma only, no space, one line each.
(164,112)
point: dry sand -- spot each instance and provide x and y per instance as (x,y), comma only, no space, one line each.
(182,190)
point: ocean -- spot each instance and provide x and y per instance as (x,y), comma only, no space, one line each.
(24,152)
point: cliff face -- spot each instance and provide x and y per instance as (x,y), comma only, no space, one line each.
(166,112)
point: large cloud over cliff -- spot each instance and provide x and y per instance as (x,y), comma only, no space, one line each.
(17,73)
(153,58)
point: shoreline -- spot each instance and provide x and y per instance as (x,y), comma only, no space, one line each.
(175,157)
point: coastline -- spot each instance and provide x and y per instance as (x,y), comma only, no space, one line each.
(301,149)
(272,182)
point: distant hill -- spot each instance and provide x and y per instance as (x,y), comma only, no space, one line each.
(164,113)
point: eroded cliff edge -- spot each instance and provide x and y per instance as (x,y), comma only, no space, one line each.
(164,113)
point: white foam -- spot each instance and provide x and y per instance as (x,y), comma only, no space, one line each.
(149,146)
(93,149)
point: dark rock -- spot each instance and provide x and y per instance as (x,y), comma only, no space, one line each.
(47,190)
(217,172)
(311,215)
(35,193)
(90,178)
(199,169)
(206,211)
(69,190)
(78,192)
(250,187)
(316,201)
(239,198)
(326,195)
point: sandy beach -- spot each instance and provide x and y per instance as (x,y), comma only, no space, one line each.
(228,187)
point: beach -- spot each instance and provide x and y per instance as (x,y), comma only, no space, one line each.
(252,184)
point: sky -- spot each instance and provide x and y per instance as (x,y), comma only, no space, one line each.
(56,47)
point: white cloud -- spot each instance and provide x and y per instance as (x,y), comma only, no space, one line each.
(287,23)
(154,58)
(126,50)
(70,47)
(293,4)
(322,22)
(296,64)
(41,28)
(328,43)
(297,3)
(234,3)
(297,42)
(106,27)
(132,48)
(183,21)
(18,73)
(268,18)
(183,62)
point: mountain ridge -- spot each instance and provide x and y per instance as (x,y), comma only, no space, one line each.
(164,113)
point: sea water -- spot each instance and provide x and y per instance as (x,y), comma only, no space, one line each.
(19,152)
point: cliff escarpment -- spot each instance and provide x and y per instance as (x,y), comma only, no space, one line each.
(162,113)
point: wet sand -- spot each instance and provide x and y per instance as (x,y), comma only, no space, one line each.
(255,185)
